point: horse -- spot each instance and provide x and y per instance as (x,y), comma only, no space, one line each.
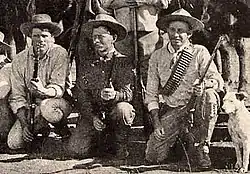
(230,17)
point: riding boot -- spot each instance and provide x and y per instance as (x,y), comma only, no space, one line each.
(40,129)
(212,120)
(62,129)
(121,143)
(41,126)
(203,159)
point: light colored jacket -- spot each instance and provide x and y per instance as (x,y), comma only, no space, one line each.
(160,70)
(52,70)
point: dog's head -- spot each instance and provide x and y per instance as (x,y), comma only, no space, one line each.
(233,101)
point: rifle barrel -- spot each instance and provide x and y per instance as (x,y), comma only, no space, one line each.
(221,38)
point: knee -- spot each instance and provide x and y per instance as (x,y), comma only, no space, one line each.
(124,111)
(123,107)
(156,152)
(15,140)
(54,110)
(4,89)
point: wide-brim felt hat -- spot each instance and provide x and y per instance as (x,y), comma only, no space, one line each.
(179,15)
(41,21)
(108,21)
(2,43)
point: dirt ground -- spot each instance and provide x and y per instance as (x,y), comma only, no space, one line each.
(18,164)
(50,160)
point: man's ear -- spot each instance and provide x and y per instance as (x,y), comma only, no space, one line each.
(52,39)
(190,34)
(241,95)
(115,37)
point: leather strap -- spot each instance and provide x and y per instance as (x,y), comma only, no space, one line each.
(178,72)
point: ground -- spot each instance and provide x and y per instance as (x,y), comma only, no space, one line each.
(50,160)
(23,166)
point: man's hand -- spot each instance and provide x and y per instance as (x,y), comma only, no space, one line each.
(211,83)
(98,124)
(38,85)
(108,93)
(198,88)
(27,135)
(159,133)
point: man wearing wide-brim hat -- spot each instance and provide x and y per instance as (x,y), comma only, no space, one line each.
(38,77)
(173,73)
(103,92)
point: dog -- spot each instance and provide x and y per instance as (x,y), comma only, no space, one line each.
(238,127)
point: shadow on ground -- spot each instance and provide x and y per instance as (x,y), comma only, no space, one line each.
(48,156)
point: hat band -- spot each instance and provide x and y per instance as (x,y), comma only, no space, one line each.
(41,21)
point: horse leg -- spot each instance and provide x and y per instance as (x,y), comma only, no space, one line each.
(241,51)
(226,64)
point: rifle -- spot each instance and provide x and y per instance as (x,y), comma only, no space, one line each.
(190,107)
(139,86)
(74,31)
(105,105)
(31,98)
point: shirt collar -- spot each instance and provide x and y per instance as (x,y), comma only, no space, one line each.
(32,54)
(172,50)
(109,55)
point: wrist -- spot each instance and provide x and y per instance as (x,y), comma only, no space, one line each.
(22,116)
(154,115)
(156,123)
(51,92)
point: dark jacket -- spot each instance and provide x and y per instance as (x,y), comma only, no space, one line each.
(94,76)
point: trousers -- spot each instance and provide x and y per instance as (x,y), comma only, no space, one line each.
(175,126)
(49,111)
(84,139)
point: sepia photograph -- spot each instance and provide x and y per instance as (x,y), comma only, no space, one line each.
(124,86)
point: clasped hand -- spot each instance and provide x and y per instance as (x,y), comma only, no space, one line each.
(159,133)
(108,93)
(198,88)
(98,124)
(208,83)
(37,85)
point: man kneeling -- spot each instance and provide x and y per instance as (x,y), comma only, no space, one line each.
(104,93)
(48,64)
(172,72)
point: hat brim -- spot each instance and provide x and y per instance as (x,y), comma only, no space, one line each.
(119,29)
(194,23)
(54,28)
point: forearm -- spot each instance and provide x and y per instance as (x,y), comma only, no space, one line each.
(22,116)
(125,94)
(16,102)
(50,92)
(154,117)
